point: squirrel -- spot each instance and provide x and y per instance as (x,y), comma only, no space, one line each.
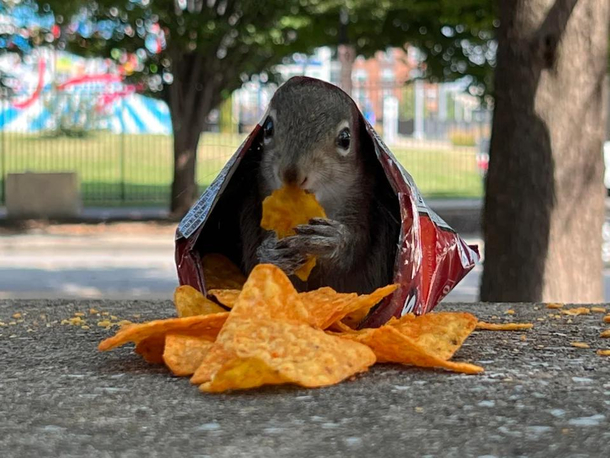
(314,137)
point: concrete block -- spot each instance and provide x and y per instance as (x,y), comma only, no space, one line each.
(42,195)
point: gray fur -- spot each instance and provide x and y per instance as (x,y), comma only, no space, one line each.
(356,245)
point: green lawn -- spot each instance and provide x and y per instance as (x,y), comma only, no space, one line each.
(137,169)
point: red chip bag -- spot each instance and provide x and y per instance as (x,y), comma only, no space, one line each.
(431,259)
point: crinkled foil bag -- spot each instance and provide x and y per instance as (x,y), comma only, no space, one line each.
(430,260)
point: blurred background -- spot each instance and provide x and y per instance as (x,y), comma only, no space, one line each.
(115,115)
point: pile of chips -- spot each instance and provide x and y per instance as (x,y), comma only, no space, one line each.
(261,331)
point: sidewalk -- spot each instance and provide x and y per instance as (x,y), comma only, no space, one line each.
(538,397)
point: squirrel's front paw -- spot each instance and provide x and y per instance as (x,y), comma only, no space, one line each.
(322,237)
(281,254)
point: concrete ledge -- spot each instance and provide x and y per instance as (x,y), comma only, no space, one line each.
(538,397)
(42,195)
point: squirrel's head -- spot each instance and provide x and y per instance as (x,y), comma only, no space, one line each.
(311,139)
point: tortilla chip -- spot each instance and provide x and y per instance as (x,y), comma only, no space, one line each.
(226,297)
(481,325)
(365,303)
(442,333)
(554,305)
(269,295)
(576,311)
(220,273)
(580,345)
(605,334)
(151,349)
(276,352)
(287,208)
(204,326)
(607,319)
(216,357)
(183,354)
(598,309)
(603,352)
(190,302)
(391,346)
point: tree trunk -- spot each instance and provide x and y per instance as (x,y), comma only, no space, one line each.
(184,185)
(544,202)
(191,97)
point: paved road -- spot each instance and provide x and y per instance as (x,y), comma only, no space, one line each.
(539,397)
(118,265)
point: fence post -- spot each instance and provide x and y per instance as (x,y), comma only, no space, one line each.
(122,158)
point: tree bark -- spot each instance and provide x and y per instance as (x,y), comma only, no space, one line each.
(347,57)
(544,202)
(191,97)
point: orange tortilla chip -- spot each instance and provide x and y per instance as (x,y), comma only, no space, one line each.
(287,208)
(220,273)
(482,325)
(554,305)
(442,333)
(276,352)
(605,334)
(183,354)
(326,306)
(607,319)
(577,311)
(190,302)
(268,294)
(151,349)
(365,303)
(580,345)
(204,326)
(598,309)
(391,346)
(226,297)
(216,357)
(603,352)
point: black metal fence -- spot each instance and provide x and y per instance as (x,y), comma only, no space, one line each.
(120,161)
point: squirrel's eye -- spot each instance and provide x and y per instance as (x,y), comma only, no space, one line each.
(268,129)
(343,139)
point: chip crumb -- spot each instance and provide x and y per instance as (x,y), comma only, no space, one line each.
(85,327)
(79,314)
(554,305)
(558,317)
(17,315)
(136,315)
(570,321)
(607,319)
(12,336)
(605,334)
(12,323)
(104,323)
(503,326)
(123,323)
(603,352)
(598,309)
(536,307)
(419,409)
(76,321)
(580,345)
(523,337)
(93,311)
(565,431)
(510,312)
(507,379)
(2,323)
(112,317)
(105,313)
(30,330)
(577,311)
(540,319)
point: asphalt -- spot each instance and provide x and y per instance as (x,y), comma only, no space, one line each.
(539,396)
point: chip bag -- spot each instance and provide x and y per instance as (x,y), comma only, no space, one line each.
(431,258)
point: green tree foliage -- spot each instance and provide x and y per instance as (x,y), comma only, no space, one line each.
(194,53)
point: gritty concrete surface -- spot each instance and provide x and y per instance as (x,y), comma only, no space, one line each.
(538,397)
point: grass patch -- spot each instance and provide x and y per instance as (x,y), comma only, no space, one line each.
(137,169)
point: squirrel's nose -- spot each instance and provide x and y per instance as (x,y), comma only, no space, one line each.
(291,176)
